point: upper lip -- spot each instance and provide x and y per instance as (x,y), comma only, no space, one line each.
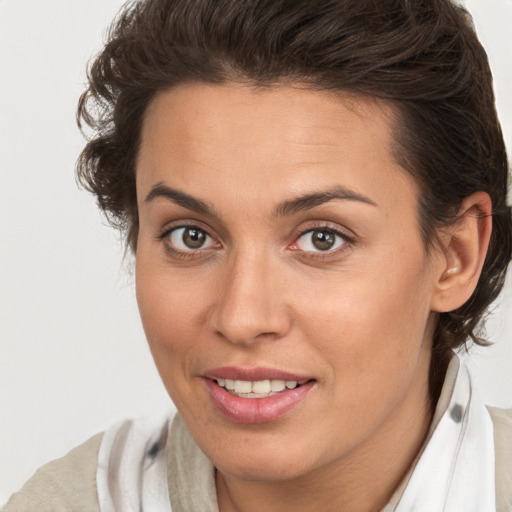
(254,374)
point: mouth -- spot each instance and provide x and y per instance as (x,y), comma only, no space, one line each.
(256,395)
(258,388)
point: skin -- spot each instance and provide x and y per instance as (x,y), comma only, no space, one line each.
(358,318)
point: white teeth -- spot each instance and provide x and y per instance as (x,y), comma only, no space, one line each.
(259,388)
(243,386)
(277,385)
(257,395)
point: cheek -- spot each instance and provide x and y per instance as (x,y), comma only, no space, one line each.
(167,313)
(369,304)
(170,313)
(370,329)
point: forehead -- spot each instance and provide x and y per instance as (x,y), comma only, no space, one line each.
(205,137)
(234,113)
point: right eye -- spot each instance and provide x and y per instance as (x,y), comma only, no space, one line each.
(189,238)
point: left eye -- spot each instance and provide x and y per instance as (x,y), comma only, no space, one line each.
(320,240)
(190,238)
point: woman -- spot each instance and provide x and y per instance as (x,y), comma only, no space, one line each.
(315,194)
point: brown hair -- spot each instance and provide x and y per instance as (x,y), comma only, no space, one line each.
(421,55)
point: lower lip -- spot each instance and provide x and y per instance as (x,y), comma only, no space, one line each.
(256,410)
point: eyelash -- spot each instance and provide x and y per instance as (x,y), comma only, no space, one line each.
(347,242)
(184,254)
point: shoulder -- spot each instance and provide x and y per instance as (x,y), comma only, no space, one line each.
(502,422)
(126,464)
(66,484)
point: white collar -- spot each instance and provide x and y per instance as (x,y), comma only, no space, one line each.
(454,470)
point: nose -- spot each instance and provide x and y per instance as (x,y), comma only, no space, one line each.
(251,303)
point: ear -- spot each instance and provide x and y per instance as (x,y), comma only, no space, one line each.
(462,256)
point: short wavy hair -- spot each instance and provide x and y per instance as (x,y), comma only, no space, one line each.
(422,56)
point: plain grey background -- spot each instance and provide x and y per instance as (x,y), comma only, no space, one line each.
(73,356)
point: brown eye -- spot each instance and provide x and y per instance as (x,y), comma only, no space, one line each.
(320,240)
(323,240)
(193,238)
(190,238)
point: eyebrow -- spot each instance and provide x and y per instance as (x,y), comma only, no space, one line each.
(289,207)
(179,198)
(308,201)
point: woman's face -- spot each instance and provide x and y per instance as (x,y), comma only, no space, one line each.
(279,243)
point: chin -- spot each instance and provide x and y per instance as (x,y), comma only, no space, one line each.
(264,471)
(260,461)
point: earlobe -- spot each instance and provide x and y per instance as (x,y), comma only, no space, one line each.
(465,245)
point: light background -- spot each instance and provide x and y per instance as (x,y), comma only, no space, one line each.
(73,356)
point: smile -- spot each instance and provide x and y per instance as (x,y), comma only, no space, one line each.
(258,395)
(259,388)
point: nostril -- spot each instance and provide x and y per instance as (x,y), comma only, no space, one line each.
(266,335)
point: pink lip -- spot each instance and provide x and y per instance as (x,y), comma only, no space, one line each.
(255,410)
(253,374)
